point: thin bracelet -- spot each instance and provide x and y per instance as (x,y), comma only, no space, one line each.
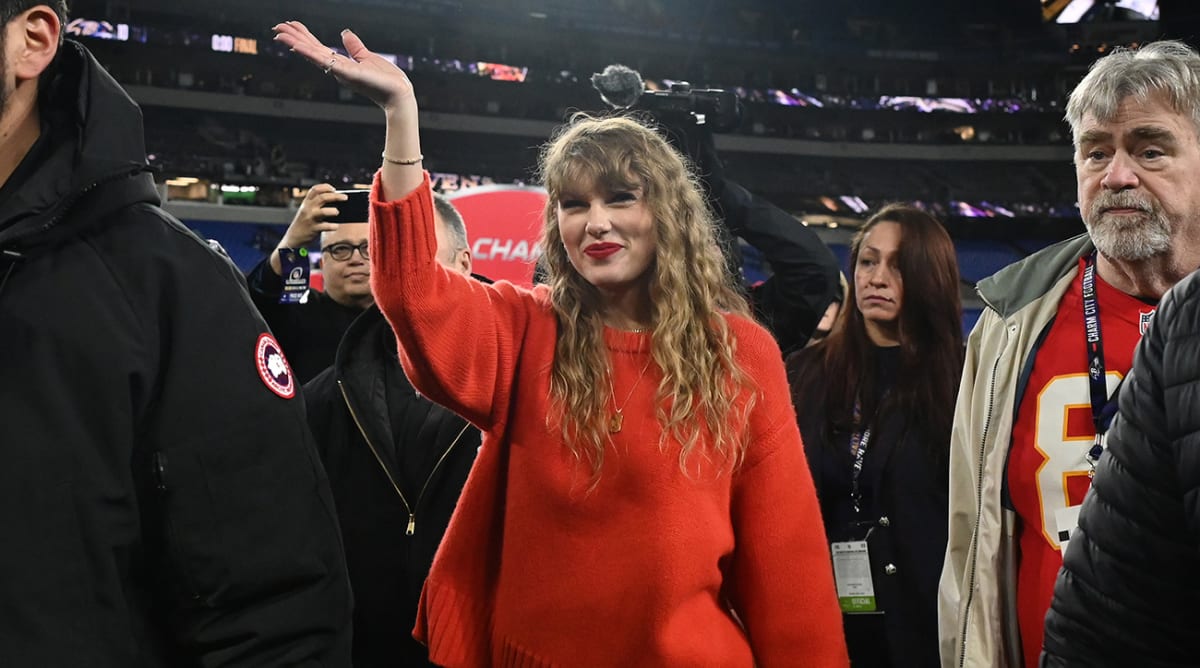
(406,161)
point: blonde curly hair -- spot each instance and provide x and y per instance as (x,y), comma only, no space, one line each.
(703,389)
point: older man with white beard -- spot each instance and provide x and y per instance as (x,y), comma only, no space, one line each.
(1047,357)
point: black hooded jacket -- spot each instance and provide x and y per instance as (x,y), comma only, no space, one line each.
(397,463)
(160,504)
(1130,581)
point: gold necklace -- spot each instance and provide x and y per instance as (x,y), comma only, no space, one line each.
(617,418)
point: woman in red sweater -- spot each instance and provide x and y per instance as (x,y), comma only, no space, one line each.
(641,497)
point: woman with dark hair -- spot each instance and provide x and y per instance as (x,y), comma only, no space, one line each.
(641,496)
(875,401)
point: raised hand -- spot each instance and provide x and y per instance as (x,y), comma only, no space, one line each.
(364,72)
(386,85)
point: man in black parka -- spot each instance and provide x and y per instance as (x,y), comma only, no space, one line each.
(397,463)
(161,501)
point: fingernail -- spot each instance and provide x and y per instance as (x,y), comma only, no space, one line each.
(345,30)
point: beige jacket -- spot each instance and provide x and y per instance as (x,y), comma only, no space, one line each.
(977,615)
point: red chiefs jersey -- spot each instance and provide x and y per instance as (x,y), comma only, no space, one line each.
(1047,466)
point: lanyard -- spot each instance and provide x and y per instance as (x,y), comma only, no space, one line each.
(858,443)
(1103,410)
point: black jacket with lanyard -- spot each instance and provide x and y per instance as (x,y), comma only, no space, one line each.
(900,492)
(161,504)
(395,492)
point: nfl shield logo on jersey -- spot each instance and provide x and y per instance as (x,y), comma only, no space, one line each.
(1144,318)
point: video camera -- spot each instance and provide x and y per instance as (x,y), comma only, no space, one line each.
(623,88)
(719,109)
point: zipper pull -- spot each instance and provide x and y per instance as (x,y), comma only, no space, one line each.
(160,471)
(412,525)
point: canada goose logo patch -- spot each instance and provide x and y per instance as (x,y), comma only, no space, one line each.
(273,367)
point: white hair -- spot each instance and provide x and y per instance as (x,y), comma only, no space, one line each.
(1167,69)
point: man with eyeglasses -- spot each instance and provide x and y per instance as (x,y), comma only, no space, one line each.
(309,330)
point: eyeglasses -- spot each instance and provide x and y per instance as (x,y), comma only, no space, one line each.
(342,251)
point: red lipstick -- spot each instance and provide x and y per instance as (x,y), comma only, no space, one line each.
(601,250)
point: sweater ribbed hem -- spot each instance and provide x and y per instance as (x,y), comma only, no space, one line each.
(456,628)
(513,655)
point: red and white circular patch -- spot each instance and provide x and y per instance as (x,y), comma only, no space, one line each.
(273,367)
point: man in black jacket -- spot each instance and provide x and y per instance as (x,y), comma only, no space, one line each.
(311,329)
(161,500)
(397,463)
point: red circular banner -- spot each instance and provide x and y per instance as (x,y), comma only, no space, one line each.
(504,223)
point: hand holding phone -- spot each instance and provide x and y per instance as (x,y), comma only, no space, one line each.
(315,215)
(322,210)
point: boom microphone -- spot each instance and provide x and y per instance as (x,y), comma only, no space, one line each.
(619,86)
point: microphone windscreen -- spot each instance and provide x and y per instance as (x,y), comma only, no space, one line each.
(619,86)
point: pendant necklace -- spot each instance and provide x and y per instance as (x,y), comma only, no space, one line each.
(616,420)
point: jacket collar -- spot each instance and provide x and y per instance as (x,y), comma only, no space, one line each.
(361,344)
(1021,283)
(97,163)
(359,369)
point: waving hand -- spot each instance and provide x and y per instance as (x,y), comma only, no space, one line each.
(363,71)
(374,77)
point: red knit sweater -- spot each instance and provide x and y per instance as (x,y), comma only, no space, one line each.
(538,570)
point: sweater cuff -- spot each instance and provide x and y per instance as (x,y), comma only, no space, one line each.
(403,241)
